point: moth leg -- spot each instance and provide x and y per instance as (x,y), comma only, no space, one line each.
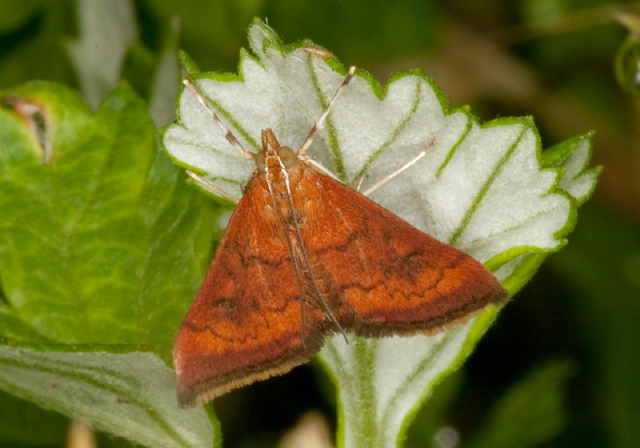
(204,183)
(323,118)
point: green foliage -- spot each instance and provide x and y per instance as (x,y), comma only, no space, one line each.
(628,57)
(94,258)
(115,389)
(16,415)
(89,256)
(103,244)
(530,412)
(605,273)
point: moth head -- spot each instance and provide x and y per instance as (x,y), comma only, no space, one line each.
(272,152)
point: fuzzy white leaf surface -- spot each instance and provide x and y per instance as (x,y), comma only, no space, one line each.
(130,394)
(480,187)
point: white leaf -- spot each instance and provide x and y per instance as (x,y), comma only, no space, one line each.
(107,30)
(129,394)
(480,188)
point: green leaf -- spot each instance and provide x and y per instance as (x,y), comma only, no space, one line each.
(36,54)
(209,28)
(485,189)
(14,14)
(101,242)
(628,55)
(25,424)
(88,247)
(530,412)
(602,269)
(430,421)
(573,156)
(130,393)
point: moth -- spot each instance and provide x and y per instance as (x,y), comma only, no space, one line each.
(305,257)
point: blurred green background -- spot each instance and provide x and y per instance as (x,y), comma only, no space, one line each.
(560,368)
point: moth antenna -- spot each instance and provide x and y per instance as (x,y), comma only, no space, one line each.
(404,167)
(323,118)
(227,132)
(204,183)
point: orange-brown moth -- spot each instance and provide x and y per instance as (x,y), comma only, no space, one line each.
(305,257)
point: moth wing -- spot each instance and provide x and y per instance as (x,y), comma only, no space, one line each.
(383,275)
(246,321)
